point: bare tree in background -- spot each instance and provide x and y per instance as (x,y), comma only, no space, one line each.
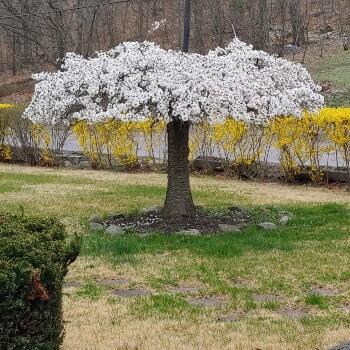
(34,33)
(297,22)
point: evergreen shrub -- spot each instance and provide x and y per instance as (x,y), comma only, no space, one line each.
(34,258)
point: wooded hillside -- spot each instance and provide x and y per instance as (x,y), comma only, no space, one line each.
(34,33)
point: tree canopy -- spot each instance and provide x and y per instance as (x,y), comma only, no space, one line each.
(137,80)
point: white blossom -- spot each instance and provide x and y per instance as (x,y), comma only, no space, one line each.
(135,80)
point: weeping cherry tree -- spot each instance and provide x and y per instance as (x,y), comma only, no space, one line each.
(136,81)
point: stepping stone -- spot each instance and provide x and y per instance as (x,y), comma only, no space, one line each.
(114,230)
(71,284)
(346,308)
(111,282)
(184,289)
(293,313)
(229,318)
(284,220)
(207,302)
(324,292)
(266,226)
(263,298)
(283,213)
(95,226)
(342,346)
(95,218)
(131,293)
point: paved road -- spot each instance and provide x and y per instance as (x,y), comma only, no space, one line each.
(327,160)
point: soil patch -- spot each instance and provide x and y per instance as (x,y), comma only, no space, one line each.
(71,285)
(111,282)
(343,346)
(184,289)
(324,292)
(207,302)
(205,223)
(263,298)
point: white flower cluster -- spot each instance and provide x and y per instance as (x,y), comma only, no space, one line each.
(136,80)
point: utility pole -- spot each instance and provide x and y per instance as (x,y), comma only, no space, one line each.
(187,16)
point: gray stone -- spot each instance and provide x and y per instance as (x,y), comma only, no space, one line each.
(208,302)
(131,293)
(283,213)
(189,232)
(284,220)
(155,209)
(74,159)
(96,226)
(114,230)
(110,161)
(84,164)
(266,226)
(342,346)
(324,292)
(95,218)
(71,284)
(293,313)
(184,289)
(263,298)
(229,228)
(68,164)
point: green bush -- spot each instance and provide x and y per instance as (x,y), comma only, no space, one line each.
(34,258)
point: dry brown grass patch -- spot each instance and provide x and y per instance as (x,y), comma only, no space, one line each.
(105,325)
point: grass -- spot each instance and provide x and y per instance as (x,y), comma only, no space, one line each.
(335,70)
(311,251)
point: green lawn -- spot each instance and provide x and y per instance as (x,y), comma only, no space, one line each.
(290,263)
(336,71)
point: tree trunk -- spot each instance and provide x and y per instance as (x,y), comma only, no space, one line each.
(178,201)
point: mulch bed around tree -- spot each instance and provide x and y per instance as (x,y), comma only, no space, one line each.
(204,222)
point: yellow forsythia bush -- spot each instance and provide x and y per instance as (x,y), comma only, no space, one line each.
(114,139)
(336,124)
(41,138)
(152,136)
(300,143)
(237,142)
(5,131)
(38,141)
